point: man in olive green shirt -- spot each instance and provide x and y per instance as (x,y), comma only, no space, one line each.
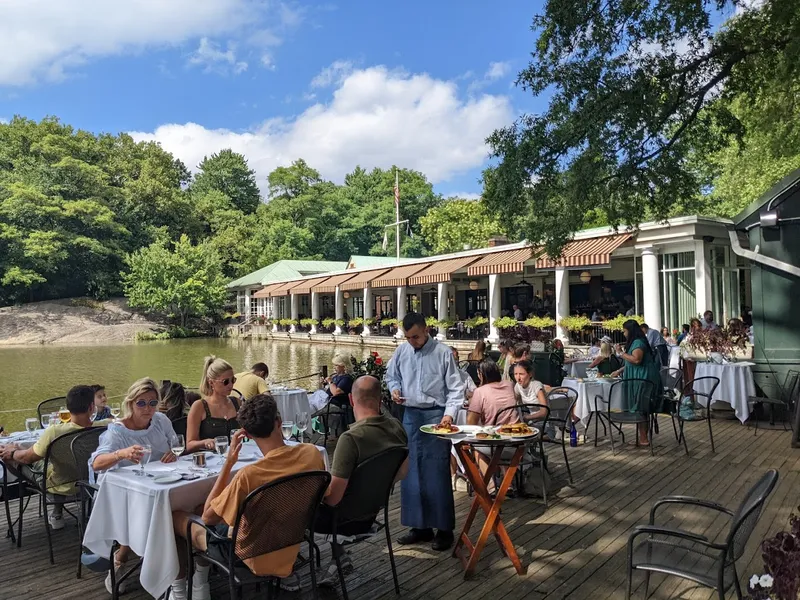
(80,403)
(251,383)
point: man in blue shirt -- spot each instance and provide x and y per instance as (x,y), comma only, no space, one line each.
(423,376)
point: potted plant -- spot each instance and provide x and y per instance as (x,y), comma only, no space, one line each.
(328,324)
(307,324)
(714,344)
(781,554)
(355,326)
(432,323)
(539,322)
(390,324)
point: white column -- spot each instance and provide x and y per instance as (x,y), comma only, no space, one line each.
(441,295)
(651,290)
(494,308)
(247,304)
(339,307)
(703,281)
(401,311)
(562,301)
(314,310)
(367,310)
(294,308)
(276,314)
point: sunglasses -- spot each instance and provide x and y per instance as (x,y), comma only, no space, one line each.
(227,380)
(143,403)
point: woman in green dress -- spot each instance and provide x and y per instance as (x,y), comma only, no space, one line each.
(640,363)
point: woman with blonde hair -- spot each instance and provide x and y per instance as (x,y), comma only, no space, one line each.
(140,426)
(606,361)
(341,384)
(215,414)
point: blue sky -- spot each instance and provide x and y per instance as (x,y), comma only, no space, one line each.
(417,84)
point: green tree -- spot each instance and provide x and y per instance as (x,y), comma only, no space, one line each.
(457,224)
(633,92)
(228,172)
(184,280)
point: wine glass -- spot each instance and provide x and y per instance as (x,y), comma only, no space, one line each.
(302,424)
(179,446)
(115,409)
(221,444)
(54,419)
(63,414)
(45,421)
(31,424)
(286,429)
(146,452)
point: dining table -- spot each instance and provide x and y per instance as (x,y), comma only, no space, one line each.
(578,368)
(8,476)
(736,385)
(135,510)
(587,391)
(291,402)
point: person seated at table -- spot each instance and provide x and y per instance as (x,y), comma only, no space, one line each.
(504,359)
(215,414)
(594,349)
(530,391)
(103,412)
(371,433)
(606,362)
(260,421)
(683,334)
(173,400)
(191,398)
(518,353)
(475,357)
(668,336)
(640,362)
(253,382)
(341,383)
(491,397)
(140,424)
(30,462)
(469,385)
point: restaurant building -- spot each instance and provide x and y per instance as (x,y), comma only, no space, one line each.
(667,272)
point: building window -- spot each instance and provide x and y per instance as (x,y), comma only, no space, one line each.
(358,307)
(726,290)
(678,297)
(304,310)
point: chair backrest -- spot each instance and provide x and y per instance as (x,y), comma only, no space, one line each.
(790,386)
(369,486)
(179,426)
(65,470)
(690,388)
(82,447)
(634,395)
(746,516)
(277,514)
(50,405)
(561,401)
(671,379)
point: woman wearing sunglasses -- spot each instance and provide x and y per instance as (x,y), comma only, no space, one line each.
(215,414)
(141,425)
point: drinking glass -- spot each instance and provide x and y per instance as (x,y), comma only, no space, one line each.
(31,424)
(46,421)
(146,452)
(302,424)
(179,446)
(221,443)
(286,429)
(63,414)
(115,409)
(54,418)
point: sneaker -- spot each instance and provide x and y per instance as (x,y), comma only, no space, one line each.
(331,576)
(122,587)
(201,591)
(56,522)
(291,583)
(95,562)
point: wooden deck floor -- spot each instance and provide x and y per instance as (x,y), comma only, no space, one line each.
(575,549)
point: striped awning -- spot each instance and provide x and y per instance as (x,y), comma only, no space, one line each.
(507,261)
(329,286)
(265,291)
(306,285)
(285,289)
(585,253)
(398,276)
(361,280)
(441,270)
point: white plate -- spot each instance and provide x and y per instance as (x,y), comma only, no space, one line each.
(167,478)
(247,457)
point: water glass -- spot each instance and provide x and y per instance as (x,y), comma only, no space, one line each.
(146,452)
(116,408)
(54,419)
(302,423)
(179,446)
(31,424)
(46,421)
(286,429)
(221,444)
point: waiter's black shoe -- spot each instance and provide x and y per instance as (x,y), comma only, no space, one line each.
(415,536)
(442,541)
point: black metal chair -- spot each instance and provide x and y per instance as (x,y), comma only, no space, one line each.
(561,401)
(622,395)
(367,493)
(51,405)
(535,451)
(276,515)
(179,426)
(82,447)
(787,399)
(693,556)
(58,461)
(326,413)
(689,390)
(672,385)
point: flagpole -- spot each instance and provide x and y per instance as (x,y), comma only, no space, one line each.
(397,211)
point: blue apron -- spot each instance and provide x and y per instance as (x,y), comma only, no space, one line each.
(426,492)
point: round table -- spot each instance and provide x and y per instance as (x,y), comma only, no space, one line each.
(736,385)
(578,368)
(587,390)
(291,402)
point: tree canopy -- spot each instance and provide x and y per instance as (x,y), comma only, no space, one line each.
(638,93)
(458,224)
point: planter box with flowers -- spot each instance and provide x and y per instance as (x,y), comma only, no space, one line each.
(531,331)
(375,366)
(307,324)
(389,325)
(355,326)
(781,555)
(715,344)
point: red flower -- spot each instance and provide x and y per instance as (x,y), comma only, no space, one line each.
(373,353)
(378,360)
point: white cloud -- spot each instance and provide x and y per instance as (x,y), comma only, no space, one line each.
(214,60)
(376,118)
(335,73)
(463,195)
(497,70)
(3,120)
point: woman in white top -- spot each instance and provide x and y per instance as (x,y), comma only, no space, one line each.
(141,425)
(530,391)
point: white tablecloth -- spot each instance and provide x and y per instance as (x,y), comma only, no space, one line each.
(137,512)
(587,390)
(578,368)
(674,357)
(291,402)
(736,384)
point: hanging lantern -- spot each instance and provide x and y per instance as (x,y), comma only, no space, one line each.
(346,295)
(473,285)
(586,277)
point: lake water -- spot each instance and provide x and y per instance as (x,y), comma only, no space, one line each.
(34,373)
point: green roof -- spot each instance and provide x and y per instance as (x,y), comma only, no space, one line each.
(286,270)
(361,262)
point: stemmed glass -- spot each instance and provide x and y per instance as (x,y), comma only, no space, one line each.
(31,425)
(179,446)
(286,429)
(116,408)
(54,418)
(302,424)
(146,452)
(45,421)
(221,443)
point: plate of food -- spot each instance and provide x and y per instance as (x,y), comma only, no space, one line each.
(515,430)
(440,429)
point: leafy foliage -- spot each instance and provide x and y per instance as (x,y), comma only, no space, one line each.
(724,341)
(458,224)
(540,322)
(575,323)
(617,322)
